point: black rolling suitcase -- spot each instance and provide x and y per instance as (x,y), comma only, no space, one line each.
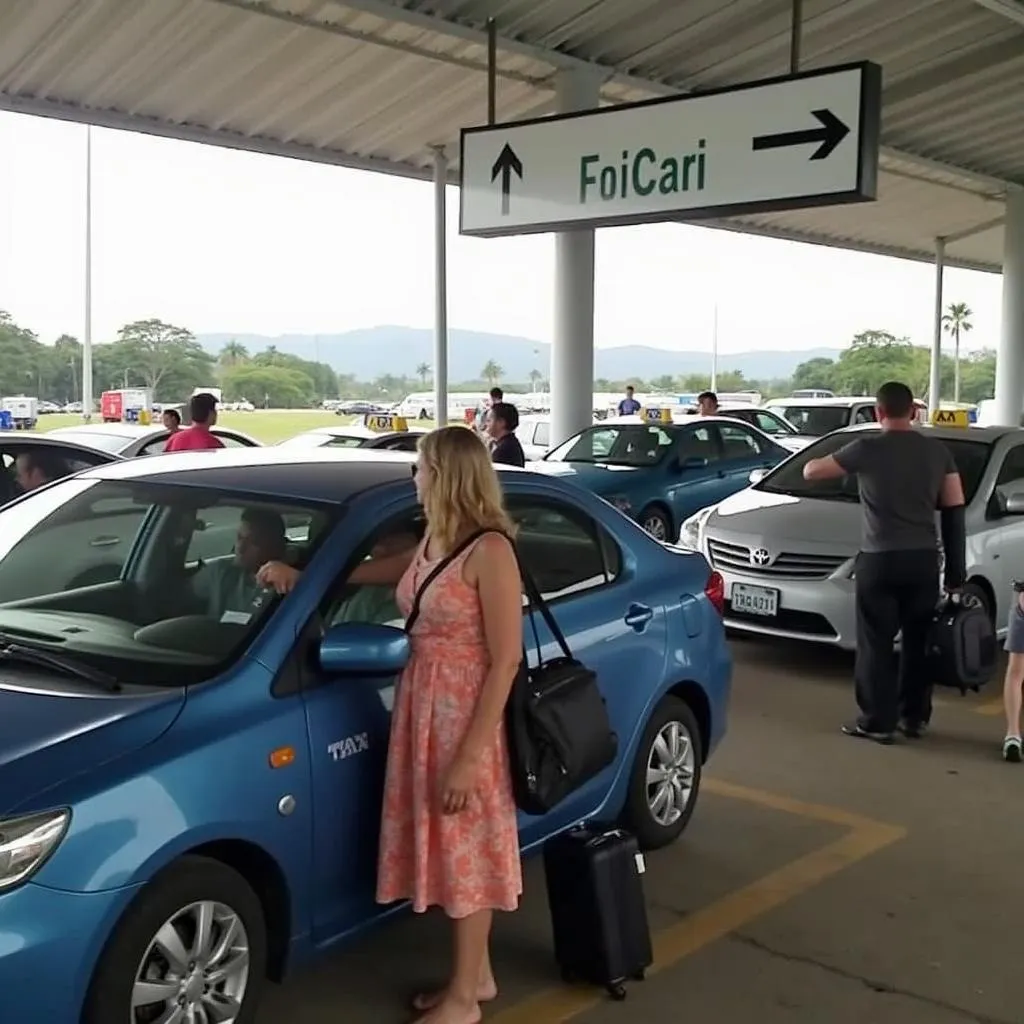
(598,913)
(961,647)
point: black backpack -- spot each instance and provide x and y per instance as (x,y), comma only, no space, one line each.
(961,646)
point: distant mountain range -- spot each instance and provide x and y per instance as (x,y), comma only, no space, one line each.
(374,351)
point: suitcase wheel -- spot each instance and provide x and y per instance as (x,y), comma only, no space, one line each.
(617,991)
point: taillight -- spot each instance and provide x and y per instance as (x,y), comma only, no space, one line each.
(714,591)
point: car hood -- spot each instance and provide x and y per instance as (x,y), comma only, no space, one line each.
(596,477)
(808,524)
(51,732)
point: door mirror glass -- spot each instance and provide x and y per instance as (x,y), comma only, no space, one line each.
(1014,504)
(361,648)
(757,475)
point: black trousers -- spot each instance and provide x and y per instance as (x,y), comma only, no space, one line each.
(896,591)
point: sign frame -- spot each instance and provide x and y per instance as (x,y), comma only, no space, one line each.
(864,190)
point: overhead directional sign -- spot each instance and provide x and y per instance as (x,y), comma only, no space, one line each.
(805,140)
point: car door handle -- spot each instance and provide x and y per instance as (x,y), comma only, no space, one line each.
(638,616)
(104,542)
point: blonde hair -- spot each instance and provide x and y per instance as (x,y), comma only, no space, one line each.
(464,494)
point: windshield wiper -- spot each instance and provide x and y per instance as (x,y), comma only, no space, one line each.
(11,650)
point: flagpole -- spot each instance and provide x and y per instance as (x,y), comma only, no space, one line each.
(87,333)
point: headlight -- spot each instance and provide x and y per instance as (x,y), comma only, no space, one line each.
(26,842)
(691,533)
(621,503)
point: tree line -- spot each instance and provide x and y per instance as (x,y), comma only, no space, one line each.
(167,358)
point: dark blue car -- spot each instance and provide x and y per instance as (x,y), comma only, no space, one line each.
(660,473)
(190,786)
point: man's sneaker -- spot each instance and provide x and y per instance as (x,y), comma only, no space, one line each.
(857,730)
(913,730)
(1012,749)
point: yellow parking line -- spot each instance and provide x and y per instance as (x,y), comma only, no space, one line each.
(705,926)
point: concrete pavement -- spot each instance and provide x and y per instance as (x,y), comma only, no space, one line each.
(822,879)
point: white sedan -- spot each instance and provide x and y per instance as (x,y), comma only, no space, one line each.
(786,547)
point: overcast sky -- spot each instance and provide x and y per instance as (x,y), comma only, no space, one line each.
(216,240)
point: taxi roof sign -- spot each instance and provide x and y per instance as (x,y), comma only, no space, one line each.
(951,418)
(657,415)
(381,422)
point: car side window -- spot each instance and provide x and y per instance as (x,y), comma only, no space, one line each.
(232,441)
(865,414)
(542,434)
(697,443)
(769,424)
(738,443)
(1011,474)
(564,550)
(344,442)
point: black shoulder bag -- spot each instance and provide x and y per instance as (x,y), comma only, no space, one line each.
(559,733)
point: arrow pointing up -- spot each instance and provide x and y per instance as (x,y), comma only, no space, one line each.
(829,135)
(506,165)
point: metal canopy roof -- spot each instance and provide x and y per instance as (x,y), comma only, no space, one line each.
(373,84)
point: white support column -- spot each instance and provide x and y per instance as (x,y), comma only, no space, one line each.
(440,287)
(572,352)
(935,369)
(87,331)
(1009,401)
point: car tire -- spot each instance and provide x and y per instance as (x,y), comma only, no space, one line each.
(656,826)
(656,521)
(423,414)
(191,890)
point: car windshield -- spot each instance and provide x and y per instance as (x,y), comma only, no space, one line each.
(615,445)
(765,421)
(815,420)
(101,440)
(148,583)
(971,458)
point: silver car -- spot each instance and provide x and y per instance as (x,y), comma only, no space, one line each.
(786,547)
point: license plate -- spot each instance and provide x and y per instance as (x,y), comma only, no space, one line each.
(755,600)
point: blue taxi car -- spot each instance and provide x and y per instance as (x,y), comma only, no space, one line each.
(661,472)
(191,768)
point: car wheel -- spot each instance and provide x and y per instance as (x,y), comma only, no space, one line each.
(424,415)
(665,778)
(656,522)
(191,947)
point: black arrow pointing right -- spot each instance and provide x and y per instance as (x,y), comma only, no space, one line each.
(506,165)
(829,135)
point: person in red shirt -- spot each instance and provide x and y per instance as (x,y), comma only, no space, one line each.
(197,437)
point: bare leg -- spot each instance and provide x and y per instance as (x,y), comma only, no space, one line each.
(486,992)
(460,1002)
(1012,693)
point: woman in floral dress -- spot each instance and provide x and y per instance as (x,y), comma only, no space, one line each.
(448,830)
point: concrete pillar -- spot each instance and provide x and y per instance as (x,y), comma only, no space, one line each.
(1009,401)
(440,287)
(935,370)
(572,351)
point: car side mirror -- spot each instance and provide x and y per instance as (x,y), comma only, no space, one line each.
(364,649)
(1014,504)
(757,475)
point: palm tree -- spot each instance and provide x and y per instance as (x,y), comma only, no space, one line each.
(492,372)
(233,353)
(535,377)
(956,321)
(423,372)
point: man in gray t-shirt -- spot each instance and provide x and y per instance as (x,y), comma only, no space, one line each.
(905,478)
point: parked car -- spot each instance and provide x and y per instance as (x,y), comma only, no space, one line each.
(660,473)
(356,435)
(534,433)
(64,457)
(769,422)
(786,547)
(171,780)
(130,439)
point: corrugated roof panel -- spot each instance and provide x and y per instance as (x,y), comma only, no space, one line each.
(376,83)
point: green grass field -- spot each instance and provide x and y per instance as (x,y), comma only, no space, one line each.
(268,427)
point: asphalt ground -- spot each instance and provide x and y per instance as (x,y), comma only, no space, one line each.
(822,879)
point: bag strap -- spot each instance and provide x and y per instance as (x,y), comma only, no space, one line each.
(414,612)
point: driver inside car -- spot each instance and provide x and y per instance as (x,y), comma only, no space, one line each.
(373,603)
(228,589)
